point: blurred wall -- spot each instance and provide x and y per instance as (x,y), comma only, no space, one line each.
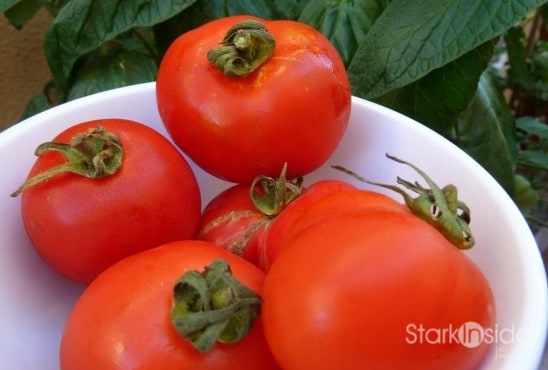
(23,67)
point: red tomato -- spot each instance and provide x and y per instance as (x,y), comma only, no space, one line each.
(293,108)
(354,291)
(81,226)
(122,320)
(231,221)
(325,198)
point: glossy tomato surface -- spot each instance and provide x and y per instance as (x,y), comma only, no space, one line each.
(326,198)
(294,108)
(122,320)
(376,290)
(80,226)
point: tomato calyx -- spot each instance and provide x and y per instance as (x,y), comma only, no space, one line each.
(245,46)
(94,154)
(213,306)
(440,207)
(271,195)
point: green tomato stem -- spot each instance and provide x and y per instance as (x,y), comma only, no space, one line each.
(244,48)
(440,207)
(95,154)
(273,194)
(212,306)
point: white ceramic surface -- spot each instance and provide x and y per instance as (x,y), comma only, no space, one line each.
(35,301)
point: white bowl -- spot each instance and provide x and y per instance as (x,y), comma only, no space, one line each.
(35,301)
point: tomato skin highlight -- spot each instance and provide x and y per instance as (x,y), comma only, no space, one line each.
(122,320)
(323,199)
(81,226)
(239,128)
(347,289)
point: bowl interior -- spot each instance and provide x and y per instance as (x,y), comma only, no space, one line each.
(36,301)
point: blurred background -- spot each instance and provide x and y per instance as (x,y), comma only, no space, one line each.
(23,67)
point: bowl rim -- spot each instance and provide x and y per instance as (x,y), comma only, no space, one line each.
(536,316)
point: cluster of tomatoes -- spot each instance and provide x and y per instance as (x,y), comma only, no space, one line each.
(270,274)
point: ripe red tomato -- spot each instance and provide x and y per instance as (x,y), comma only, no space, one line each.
(293,108)
(354,291)
(122,320)
(231,221)
(322,199)
(80,226)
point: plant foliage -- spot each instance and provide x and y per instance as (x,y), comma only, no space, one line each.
(432,60)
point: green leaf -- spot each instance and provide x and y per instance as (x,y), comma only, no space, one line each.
(116,67)
(438,98)
(533,126)
(83,26)
(539,71)
(412,38)
(345,23)
(543,10)
(517,57)
(205,11)
(486,132)
(22,12)
(36,105)
(212,9)
(6,4)
(287,9)
(534,159)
